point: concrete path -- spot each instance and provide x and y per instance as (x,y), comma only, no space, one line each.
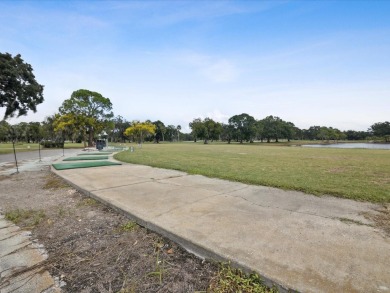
(34,155)
(298,241)
(20,260)
(29,161)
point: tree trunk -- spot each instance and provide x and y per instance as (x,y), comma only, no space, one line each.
(90,138)
(85,138)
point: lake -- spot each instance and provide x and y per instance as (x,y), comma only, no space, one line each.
(379,146)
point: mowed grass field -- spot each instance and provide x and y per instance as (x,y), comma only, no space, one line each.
(6,148)
(359,174)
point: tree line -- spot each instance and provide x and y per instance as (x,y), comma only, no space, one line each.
(240,128)
(245,128)
(87,115)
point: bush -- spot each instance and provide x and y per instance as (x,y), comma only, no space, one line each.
(52,144)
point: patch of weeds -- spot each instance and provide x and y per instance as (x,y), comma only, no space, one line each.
(27,217)
(54,182)
(129,226)
(61,211)
(230,280)
(88,202)
(160,268)
(38,216)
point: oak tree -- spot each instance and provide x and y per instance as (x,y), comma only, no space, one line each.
(19,91)
(90,110)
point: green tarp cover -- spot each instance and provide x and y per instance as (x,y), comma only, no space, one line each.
(81,158)
(75,165)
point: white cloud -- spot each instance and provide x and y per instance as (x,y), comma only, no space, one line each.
(221,71)
(216,115)
(170,13)
(218,70)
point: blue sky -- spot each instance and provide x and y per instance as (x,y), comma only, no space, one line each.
(309,62)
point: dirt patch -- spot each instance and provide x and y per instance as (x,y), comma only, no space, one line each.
(381,218)
(92,248)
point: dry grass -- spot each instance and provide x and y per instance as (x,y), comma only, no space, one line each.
(54,182)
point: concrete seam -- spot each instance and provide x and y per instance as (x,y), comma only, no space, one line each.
(282,209)
(257,204)
(26,243)
(196,201)
(5,227)
(15,233)
(131,184)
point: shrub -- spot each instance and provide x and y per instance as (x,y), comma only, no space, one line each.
(52,144)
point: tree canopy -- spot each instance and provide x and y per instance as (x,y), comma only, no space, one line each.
(244,127)
(89,111)
(272,127)
(206,129)
(19,91)
(4,131)
(120,125)
(197,128)
(140,130)
(381,129)
(160,131)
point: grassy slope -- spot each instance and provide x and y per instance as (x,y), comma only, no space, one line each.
(350,173)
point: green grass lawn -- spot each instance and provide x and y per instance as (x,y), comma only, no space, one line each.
(6,148)
(358,174)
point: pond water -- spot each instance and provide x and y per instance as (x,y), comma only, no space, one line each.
(380,146)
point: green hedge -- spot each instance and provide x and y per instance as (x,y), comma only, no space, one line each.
(52,144)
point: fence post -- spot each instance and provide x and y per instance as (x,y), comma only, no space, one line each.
(16,161)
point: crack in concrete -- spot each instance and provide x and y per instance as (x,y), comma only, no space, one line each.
(14,233)
(245,199)
(135,183)
(218,194)
(26,279)
(196,201)
(175,208)
(13,269)
(27,243)
(5,227)
(174,176)
(124,185)
(279,208)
